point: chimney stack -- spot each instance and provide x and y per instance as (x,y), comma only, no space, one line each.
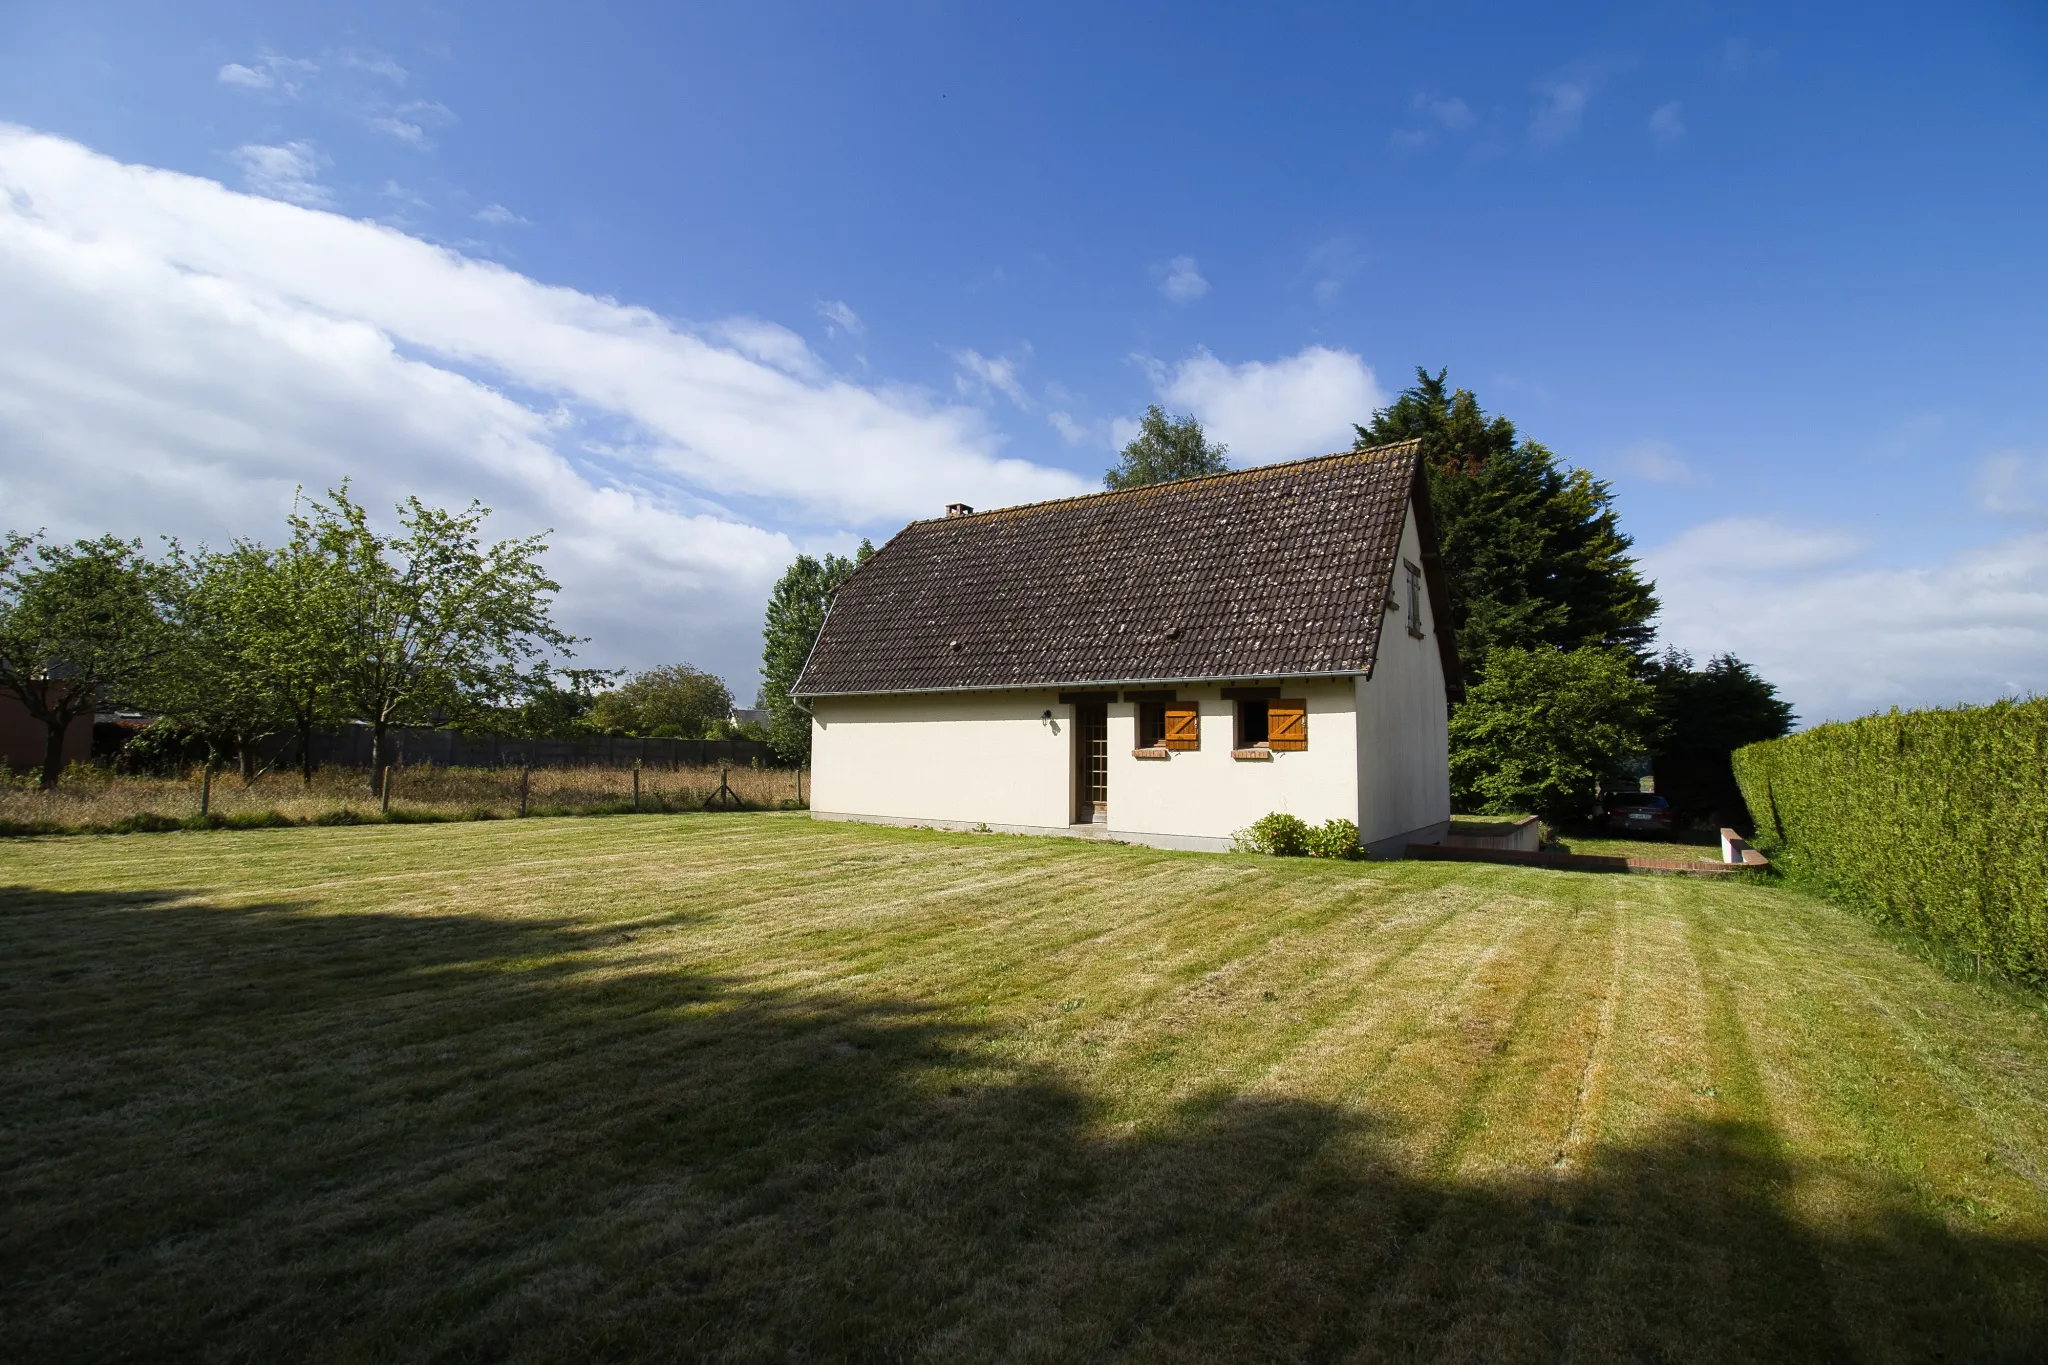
(959,509)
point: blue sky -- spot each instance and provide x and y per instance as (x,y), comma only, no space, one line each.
(775,277)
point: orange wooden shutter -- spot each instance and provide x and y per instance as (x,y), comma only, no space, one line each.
(1286,725)
(1183,727)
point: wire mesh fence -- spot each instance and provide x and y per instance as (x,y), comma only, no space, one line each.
(96,799)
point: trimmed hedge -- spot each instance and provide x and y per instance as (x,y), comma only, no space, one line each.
(1933,820)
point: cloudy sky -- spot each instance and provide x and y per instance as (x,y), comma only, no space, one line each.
(702,287)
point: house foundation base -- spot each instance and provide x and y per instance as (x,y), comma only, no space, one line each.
(1394,846)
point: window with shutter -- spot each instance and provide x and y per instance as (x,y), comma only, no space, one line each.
(1287,725)
(1183,727)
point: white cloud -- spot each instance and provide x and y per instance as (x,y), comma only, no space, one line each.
(1072,432)
(376,64)
(411,134)
(981,374)
(176,357)
(1299,405)
(409,122)
(1667,124)
(234,73)
(1179,280)
(1842,640)
(1452,112)
(286,172)
(282,76)
(1658,463)
(1563,106)
(497,215)
(2012,483)
(839,317)
(1333,262)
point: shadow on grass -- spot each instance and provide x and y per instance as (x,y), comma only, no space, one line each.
(266,1132)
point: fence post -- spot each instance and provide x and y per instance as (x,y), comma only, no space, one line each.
(525,777)
(384,797)
(206,789)
(636,784)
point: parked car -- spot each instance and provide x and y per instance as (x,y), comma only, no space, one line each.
(1637,813)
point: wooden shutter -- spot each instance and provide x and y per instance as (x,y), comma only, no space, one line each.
(1183,727)
(1287,725)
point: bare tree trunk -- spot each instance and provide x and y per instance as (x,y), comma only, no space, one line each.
(305,727)
(53,749)
(377,760)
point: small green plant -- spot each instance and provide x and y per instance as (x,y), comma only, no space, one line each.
(1289,836)
(1278,834)
(1334,839)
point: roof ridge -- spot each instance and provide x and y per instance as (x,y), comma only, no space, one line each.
(1391,448)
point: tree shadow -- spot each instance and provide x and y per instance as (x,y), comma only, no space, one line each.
(269,1131)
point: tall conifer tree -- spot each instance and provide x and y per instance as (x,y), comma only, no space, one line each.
(1533,550)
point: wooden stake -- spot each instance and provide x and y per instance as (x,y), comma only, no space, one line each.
(636,784)
(206,790)
(525,778)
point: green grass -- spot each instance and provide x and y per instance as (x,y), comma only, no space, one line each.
(754,1088)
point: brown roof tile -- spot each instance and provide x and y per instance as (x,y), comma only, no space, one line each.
(1278,571)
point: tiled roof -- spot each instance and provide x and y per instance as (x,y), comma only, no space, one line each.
(1279,571)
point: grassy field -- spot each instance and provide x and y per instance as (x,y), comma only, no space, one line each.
(751,1088)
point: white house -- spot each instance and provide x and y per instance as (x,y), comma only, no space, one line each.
(1162,665)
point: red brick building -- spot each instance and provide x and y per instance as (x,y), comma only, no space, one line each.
(22,737)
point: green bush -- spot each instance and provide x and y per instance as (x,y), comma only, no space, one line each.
(1932,820)
(1289,836)
(1282,836)
(1334,839)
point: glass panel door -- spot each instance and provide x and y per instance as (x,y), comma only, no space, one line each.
(1091,763)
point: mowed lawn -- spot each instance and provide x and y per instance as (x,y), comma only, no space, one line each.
(754,1088)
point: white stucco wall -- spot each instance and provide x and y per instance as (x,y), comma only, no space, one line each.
(992,758)
(1206,795)
(1404,782)
(974,758)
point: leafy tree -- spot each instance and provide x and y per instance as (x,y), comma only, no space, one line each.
(79,623)
(1166,448)
(796,613)
(211,681)
(1544,727)
(302,605)
(557,705)
(675,699)
(1703,716)
(1533,550)
(432,625)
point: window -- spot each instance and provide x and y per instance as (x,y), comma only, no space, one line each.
(1251,724)
(1151,725)
(1266,727)
(1414,601)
